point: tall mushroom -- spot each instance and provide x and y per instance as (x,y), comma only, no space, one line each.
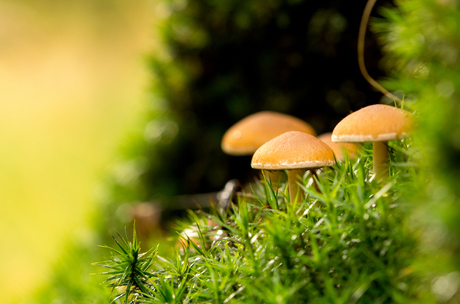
(296,152)
(378,124)
(247,135)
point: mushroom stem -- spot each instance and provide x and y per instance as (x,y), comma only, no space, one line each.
(273,175)
(380,159)
(294,189)
(313,176)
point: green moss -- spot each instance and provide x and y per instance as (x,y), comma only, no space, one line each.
(350,243)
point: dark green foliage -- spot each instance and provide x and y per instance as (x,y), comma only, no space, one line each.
(223,60)
(348,243)
(422,44)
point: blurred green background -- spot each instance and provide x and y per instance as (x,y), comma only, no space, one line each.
(73,83)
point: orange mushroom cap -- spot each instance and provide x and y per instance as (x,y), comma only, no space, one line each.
(339,148)
(373,123)
(293,150)
(247,135)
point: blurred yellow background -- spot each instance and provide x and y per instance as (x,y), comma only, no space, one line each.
(73,80)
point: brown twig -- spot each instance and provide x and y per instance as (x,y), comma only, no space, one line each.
(361,39)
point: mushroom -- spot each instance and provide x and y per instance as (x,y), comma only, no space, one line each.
(191,234)
(378,124)
(340,149)
(247,135)
(296,152)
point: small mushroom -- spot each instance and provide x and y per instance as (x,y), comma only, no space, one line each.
(296,152)
(247,135)
(340,149)
(191,234)
(378,124)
